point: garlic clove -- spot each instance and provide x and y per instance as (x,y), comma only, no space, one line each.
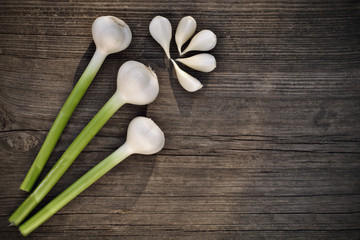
(188,82)
(204,40)
(144,136)
(111,34)
(160,29)
(203,62)
(136,83)
(184,31)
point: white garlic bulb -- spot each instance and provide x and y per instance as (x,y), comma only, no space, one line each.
(144,136)
(160,29)
(110,34)
(188,82)
(136,83)
(184,31)
(203,62)
(204,40)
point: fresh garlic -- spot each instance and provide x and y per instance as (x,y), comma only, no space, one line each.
(160,29)
(111,34)
(188,82)
(143,137)
(137,84)
(184,31)
(203,62)
(204,40)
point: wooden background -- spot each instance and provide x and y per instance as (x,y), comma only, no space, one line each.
(268,149)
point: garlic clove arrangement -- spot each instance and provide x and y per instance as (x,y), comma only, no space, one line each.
(160,29)
(184,31)
(204,40)
(137,84)
(111,34)
(188,82)
(203,62)
(144,136)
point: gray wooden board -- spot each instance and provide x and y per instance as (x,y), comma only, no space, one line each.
(268,149)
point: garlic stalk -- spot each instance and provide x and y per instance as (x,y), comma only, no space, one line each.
(136,84)
(143,137)
(188,82)
(204,40)
(110,35)
(160,29)
(184,31)
(203,62)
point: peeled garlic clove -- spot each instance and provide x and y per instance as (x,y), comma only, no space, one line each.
(203,62)
(205,40)
(188,82)
(160,29)
(184,31)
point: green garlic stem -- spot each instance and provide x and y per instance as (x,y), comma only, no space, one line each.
(74,190)
(61,120)
(67,159)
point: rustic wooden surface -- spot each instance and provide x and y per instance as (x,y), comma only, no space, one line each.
(268,149)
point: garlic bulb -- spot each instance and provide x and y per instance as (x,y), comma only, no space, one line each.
(144,136)
(160,29)
(204,40)
(184,31)
(111,34)
(188,82)
(203,62)
(137,84)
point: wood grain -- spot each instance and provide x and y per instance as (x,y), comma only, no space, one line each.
(268,149)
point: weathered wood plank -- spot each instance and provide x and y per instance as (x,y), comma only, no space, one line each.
(268,149)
